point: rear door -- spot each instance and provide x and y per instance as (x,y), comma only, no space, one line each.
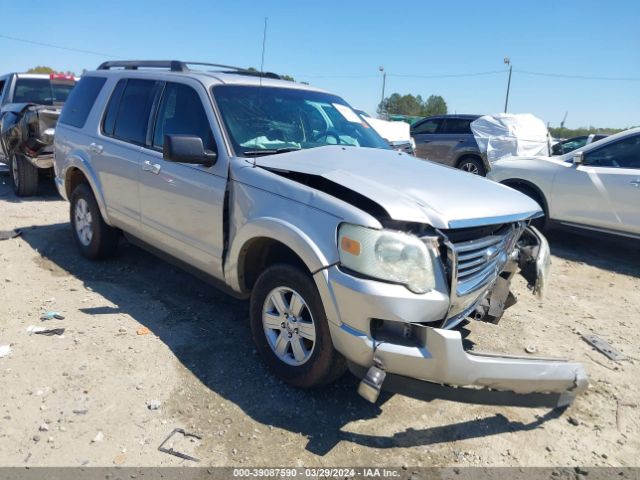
(424,133)
(456,136)
(182,204)
(605,191)
(116,154)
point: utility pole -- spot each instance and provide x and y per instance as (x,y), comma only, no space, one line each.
(507,61)
(384,81)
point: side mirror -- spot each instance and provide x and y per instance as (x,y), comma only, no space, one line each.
(187,149)
(578,158)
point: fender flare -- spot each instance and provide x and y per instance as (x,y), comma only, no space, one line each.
(280,231)
(513,182)
(77,162)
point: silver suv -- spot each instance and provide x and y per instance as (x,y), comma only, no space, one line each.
(353,255)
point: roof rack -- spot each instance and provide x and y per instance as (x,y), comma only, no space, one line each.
(179,66)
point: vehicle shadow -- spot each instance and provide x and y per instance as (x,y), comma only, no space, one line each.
(618,255)
(209,334)
(46,189)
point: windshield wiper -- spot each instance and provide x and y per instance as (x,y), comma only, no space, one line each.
(267,151)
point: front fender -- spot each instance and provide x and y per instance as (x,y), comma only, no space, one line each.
(313,256)
(277,229)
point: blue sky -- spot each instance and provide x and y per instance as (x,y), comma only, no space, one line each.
(338,45)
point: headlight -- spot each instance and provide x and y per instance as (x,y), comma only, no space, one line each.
(387,255)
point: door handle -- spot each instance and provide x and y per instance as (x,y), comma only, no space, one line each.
(151,167)
(95,148)
(426,141)
(635,183)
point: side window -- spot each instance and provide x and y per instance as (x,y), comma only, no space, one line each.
(133,110)
(428,126)
(80,101)
(181,113)
(109,121)
(624,153)
(458,126)
(2,82)
(570,145)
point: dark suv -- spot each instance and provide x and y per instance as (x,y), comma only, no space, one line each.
(448,139)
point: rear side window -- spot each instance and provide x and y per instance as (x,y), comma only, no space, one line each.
(78,105)
(1,87)
(458,126)
(131,110)
(181,113)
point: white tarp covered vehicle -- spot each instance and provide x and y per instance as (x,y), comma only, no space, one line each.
(511,135)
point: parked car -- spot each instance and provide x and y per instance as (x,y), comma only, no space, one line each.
(351,253)
(448,139)
(594,188)
(29,108)
(397,134)
(571,144)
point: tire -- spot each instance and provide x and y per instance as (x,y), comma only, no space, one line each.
(541,222)
(318,363)
(94,238)
(24,176)
(472,165)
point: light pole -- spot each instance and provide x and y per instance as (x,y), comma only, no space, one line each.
(507,61)
(384,80)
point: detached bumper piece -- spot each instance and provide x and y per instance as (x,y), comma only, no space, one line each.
(440,368)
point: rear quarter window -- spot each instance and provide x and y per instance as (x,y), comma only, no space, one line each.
(80,101)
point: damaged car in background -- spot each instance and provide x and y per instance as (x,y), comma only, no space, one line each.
(30,105)
(353,255)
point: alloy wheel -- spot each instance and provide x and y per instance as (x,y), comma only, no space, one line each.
(470,167)
(289,326)
(83,222)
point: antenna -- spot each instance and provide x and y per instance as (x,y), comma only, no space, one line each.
(264,45)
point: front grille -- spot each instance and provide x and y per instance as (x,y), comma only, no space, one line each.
(475,258)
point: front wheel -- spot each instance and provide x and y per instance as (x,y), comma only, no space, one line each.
(472,165)
(290,328)
(24,176)
(94,238)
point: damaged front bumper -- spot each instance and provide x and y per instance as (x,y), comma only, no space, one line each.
(439,359)
(418,359)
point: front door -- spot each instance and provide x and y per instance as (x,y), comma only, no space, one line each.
(182,204)
(604,191)
(424,134)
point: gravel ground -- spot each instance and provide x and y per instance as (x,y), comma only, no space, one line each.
(109,391)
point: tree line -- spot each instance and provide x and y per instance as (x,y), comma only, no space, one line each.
(412,105)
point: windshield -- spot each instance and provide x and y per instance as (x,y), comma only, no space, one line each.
(268,120)
(42,91)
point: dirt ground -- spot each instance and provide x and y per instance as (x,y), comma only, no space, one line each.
(83,398)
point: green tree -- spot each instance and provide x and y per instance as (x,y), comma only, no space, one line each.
(396,104)
(41,69)
(435,105)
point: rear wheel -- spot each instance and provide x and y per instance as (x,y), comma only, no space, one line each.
(24,176)
(472,165)
(94,238)
(290,328)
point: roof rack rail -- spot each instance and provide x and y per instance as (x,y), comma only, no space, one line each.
(179,66)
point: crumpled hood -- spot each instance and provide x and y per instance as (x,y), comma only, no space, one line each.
(410,189)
